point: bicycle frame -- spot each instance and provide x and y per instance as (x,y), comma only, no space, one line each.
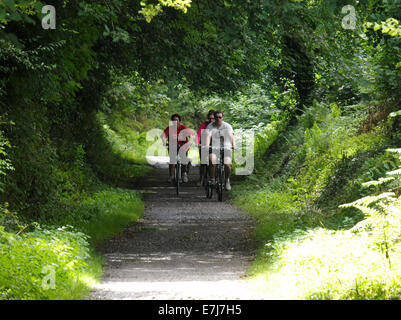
(177,170)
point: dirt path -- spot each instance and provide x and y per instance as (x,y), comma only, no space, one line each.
(184,247)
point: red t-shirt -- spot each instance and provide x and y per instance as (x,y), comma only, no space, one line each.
(183,133)
(201,128)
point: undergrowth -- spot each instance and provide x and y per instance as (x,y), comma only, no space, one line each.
(49,253)
(310,247)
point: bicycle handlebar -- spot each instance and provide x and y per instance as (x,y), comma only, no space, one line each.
(221,147)
(178,145)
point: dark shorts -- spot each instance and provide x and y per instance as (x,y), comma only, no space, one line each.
(173,157)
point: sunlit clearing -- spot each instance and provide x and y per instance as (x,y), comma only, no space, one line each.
(324,264)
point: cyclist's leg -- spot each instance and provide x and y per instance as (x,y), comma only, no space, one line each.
(228,168)
(185,169)
(186,166)
(185,173)
(171,172)
(201,168)
(213,165)
(201,171)
(228,161)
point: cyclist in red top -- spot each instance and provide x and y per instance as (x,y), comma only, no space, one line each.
(179,135)
(199,142)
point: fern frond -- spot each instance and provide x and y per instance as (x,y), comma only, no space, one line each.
(361,225)
(366,201)
(370,212)
(398,150)
(377,182)
(395,172)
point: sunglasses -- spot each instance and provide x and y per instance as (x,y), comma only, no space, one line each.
(219,117)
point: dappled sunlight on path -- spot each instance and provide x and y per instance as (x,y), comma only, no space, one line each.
(184,247)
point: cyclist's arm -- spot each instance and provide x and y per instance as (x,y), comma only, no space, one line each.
(208,138)
(231,135)
(199,134)
(164,138)
(191,134)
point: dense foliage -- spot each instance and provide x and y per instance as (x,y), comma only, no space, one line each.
(314,80)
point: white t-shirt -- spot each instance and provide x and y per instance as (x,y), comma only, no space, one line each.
(218,133)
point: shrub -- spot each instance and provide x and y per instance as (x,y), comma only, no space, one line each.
(26,260)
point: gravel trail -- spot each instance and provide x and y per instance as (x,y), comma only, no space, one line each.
(184,247)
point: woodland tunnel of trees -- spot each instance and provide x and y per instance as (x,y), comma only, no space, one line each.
(318,82)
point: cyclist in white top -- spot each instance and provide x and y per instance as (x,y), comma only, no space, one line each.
(220,132)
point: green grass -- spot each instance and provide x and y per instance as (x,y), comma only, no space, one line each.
(308,250)
(59,240)
(117,209)
(68,250)
(327,264)
(46,264)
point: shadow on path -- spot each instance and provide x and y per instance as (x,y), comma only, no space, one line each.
(184,247)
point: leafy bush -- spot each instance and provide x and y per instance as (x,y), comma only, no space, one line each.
(326,264)
(5,162)
(27,259)
(66,250)
(307,156)
(362,262)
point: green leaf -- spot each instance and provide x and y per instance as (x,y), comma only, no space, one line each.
(396,113)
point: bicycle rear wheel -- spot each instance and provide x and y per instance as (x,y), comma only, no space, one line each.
(220,184)
(209,190)
(205,177)
(177,178)
(220,192)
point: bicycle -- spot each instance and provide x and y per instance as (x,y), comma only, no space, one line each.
(206,185)
(177,174)
(178,170)
(205,180)
(220,178)
(203,167)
